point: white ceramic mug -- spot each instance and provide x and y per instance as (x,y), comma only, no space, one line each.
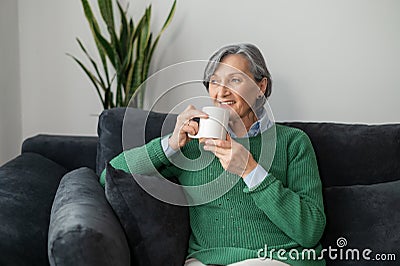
(215,125)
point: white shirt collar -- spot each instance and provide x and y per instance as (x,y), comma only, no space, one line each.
(261,125)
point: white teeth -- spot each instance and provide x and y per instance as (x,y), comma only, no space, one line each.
(227,103)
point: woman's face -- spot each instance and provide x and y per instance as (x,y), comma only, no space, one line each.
(233,86)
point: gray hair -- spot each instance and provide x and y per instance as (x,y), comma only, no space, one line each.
(258,67)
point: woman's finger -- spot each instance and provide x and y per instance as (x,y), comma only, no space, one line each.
(189,129)
(228,137)
(192,124)
(218,151)
(219,143)
(223,153)
(195,113)
(191,112)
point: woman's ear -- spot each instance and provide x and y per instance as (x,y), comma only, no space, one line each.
(263,85)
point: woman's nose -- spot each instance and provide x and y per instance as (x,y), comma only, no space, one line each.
(223,90)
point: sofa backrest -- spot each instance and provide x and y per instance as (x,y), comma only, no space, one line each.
(350,154)
(71,152)
(347,154)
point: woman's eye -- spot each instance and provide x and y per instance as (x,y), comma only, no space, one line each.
(235,80)
(214,81)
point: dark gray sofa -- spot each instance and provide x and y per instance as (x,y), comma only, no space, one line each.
(359,167)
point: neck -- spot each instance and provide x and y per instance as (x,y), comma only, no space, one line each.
(242,126)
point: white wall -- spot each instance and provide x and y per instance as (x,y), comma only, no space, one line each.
(334,60)
(56,95)
(10,107)
(330,60)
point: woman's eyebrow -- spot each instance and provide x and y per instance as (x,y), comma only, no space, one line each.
(231,74)
(237,73)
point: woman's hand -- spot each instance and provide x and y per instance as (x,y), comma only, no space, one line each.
(184,126)
(233,156)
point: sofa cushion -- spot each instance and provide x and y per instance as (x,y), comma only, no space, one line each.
(157,232)
(27,188)
(132,127)
(354,154)
(367,216)
(83,228)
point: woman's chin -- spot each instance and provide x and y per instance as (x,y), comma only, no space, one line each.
(228,107)
(233,114)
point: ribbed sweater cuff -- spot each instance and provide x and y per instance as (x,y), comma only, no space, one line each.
(268,180)
(156,153)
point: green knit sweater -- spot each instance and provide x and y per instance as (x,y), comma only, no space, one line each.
(284,212)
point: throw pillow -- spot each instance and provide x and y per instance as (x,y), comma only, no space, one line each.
(118,122)
(83,228)
(363,216)
(157,232)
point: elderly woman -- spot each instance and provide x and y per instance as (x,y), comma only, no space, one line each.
(275,211)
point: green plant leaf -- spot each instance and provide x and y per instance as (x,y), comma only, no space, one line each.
(135,80)
(127,64)
(106,46)
(144,32)
(94,25)
(119,102)
(112,56)
(127,47)
(169,18)
(129,80)
(131,27)
(166,24)
(93,63)
(92,78)
(142,39)
(115,45)
(108,98)
(137,31)
(124,31)
(133,65)
(107,13)
(106,10)
(146,61)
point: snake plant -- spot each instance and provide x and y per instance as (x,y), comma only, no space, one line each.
(125,52)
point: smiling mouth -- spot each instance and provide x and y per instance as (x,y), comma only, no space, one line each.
(226,103)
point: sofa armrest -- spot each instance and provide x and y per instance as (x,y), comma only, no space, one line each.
(28,184)
(71,152)
(83,228)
